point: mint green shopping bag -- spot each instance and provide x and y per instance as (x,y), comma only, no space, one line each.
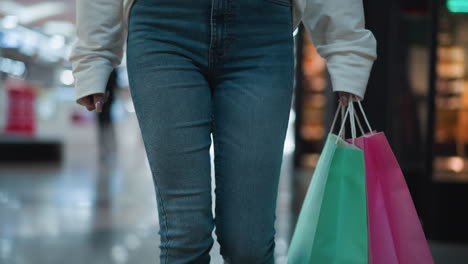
(332,223)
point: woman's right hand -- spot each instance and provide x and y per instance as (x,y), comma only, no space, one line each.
(94,101)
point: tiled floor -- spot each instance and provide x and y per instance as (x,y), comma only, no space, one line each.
(94,208)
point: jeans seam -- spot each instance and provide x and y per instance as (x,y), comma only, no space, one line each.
(229,23)
(212,37)
(163,211)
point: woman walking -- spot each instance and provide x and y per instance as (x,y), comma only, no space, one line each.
(223,68)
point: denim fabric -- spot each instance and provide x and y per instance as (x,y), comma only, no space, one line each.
(220,67)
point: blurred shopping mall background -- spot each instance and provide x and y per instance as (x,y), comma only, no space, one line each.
(70,191)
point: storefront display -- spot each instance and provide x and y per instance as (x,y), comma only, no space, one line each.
(417,94)
(31,124)
(431,133)
(20,113)
(451,102)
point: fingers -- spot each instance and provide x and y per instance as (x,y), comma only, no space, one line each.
(87,102)
(346,97)
(344,100)
(99,101)
(93,102)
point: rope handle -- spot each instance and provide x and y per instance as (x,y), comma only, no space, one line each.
(354,118)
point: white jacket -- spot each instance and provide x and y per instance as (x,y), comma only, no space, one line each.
(336,28)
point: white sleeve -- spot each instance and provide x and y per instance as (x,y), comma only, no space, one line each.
(98,47)
(337,29)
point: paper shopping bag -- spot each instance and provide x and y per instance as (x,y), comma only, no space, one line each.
(395,232)
(332,223)
(304,233)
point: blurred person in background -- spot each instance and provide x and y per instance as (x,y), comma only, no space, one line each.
(106,133)
(104,118)
(217,68)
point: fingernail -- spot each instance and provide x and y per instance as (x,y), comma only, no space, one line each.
(98,104)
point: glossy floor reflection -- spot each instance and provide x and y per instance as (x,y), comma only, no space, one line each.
(98,206)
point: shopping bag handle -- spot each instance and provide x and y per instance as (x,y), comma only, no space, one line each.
(354,118)
(349,111)
(340,109)
(365,119)
(359,123)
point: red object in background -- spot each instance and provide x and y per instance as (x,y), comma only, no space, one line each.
(21,118)
(81,117)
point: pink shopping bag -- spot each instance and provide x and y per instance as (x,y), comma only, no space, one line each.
(395,232)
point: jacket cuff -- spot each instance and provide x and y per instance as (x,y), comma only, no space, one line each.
(92,80)
(350,73)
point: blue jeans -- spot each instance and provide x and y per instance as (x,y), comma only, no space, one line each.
(223,68)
